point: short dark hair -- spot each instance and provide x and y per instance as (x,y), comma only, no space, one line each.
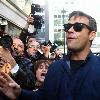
(31,36)
(92,21)
(5,40)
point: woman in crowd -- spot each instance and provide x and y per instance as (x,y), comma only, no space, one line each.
(40,70)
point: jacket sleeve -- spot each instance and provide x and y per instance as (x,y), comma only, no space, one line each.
(23,80)
(32,95)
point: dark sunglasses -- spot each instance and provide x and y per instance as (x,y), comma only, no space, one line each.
(76,26)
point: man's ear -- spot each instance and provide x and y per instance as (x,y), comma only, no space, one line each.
(92,35)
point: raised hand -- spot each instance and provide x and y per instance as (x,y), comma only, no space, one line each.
(8,86)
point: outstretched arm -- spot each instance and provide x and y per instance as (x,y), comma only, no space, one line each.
(25,33)
(8,86)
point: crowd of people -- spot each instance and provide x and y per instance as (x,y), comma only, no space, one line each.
(36,73)
(26,59)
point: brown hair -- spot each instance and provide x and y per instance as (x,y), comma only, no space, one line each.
(37,64)
(92,21)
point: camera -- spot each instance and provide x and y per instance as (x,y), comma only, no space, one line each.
(35,8)
(38,20)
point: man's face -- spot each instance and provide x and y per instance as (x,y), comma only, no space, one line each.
(78,40)
(18,47)
(33,47)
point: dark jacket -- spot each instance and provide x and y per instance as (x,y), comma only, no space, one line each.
(60,84)
(27,79)
(35,57)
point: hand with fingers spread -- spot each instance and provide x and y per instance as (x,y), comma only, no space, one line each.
(8,86)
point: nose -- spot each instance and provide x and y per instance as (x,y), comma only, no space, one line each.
(35,48)
(71,29)
(15,46)
(44,69)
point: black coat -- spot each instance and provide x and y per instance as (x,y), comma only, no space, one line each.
(27,79)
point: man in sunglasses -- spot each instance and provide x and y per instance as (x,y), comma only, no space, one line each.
(76,76)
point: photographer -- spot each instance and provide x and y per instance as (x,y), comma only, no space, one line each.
(25,32)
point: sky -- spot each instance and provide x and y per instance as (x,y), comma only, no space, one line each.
(91,7)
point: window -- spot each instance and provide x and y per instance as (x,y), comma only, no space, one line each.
(57,22)
(59,16)
(55,30)
(57,36)
(55,16)
(59,30)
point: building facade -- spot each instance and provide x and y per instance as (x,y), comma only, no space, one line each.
(12,17)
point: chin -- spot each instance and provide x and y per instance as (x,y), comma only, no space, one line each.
(70,48)
(73,49)
(42,80)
